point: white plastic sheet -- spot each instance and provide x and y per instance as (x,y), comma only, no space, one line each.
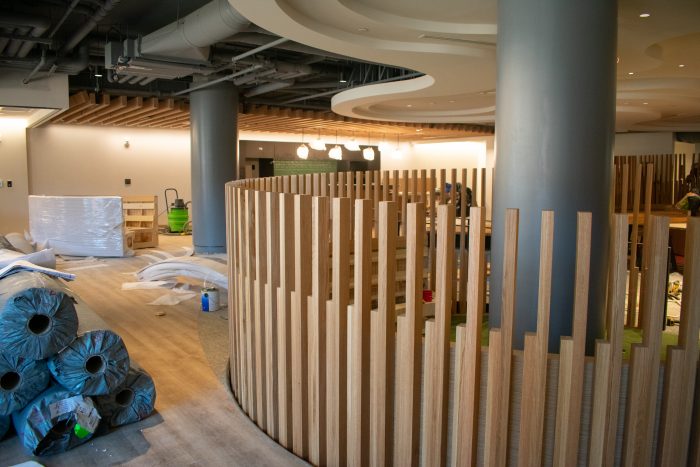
(78,225)
(208,270)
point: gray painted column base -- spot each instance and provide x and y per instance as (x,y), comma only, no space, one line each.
(555,120)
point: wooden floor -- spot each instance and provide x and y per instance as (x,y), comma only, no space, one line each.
(196,422)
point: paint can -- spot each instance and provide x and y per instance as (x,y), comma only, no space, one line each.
(210,299)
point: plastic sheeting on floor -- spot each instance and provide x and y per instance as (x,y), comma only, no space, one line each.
(133,401)
(45,258)
(37,315)
(21,380)
(94,364)
(56,421)
(208,270)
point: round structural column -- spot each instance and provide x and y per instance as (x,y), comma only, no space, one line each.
(214,135)
(555,121)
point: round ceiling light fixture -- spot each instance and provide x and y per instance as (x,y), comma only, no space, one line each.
(336,153)
(302,149)
(318,143)
(644,15)
(352,144)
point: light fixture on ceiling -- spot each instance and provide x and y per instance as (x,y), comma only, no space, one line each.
(342,78)
(384,146)
(645,103)
(362,29)
(303,149)
(368,152)
(352,144)
(644,15)
(630,73)
(409,105)
(397,154)
(681,65)
(318,143)
(336,152)
(126,143)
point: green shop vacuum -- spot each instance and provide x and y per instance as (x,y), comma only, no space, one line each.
(178,215)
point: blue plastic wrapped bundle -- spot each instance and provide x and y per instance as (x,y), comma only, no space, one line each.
(94,364)
(133,401)
(4,425)
(56,421)
(21,380)
(37,315)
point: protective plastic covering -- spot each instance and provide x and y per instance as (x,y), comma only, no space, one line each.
(56,421)
(133,401)
(94,364)
(208,270)
(37,315)
(21,380)
(78,225)
(45,258)
(4,425)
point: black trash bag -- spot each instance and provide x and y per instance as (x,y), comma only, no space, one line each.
(37,315)
(21,380)
(133,401)
(56,421)
(94,364)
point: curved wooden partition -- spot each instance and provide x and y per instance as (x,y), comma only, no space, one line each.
(333,357)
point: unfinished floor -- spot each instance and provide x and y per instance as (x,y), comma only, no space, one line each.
(196,421)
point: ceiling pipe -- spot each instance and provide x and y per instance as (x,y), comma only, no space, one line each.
(30,25)
(192,36)
(36,69)
(219,80)
(269,45)
(88,26)
(268,87)
(65,16)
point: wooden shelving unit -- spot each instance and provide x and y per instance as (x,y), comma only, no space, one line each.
(141,219)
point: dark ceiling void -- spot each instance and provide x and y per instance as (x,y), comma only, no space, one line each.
(162,48)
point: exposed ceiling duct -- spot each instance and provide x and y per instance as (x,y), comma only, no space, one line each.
(20,25)
(179,49)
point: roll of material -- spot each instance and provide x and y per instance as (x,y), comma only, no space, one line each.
(56,421)
(4,425)
(133,401)
(94,364)
(21,380)
(37,315)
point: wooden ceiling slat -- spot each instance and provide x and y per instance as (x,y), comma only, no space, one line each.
(167,113)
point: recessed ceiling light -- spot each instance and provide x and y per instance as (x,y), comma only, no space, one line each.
(645,103)
(630,73)
(409,105)
(618,60)
(432,103)
(363,29)
(681,66)
(98,75)
(419,129)
(451,102)
(644,15)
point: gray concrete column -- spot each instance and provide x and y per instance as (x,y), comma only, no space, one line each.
(214,134)
(555,119)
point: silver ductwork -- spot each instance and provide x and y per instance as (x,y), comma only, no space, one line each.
(192,36)
(22,25)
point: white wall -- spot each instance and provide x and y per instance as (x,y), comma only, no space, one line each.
(90,160)
(637,144)
(13,166)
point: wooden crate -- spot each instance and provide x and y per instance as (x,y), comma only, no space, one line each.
(141,219)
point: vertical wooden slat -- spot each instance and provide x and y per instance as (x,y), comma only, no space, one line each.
(468,348)
(376,194)
(535,357)
(241,314)
(682,361)
(284,316)
(359,178)
(317,332)
(386,181)
(649,174)
(625,188)
(437,369)
(396,186)
(308,184)
(644,361)
(259,309)
(463,244)
(302,290)
(608,354)
(341,185)
(349,186)
(316,184)
(272,283)
(475,187)
(482,191)
(500,348)
(409,329)
(358,339)
(572,355)
(634,270)
(231,271)
(336,347)
(383,342)
(413,186)
(442,197)
(404,201)
(250,303)
(422,187)
(431,239)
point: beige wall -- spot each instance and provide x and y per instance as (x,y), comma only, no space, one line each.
(639,144)
(13,166)
(85,160)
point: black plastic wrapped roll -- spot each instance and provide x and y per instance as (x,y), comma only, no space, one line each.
(21,380)
(56,421)
(4,425)
(133,401)
(37,315)
(94,364)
